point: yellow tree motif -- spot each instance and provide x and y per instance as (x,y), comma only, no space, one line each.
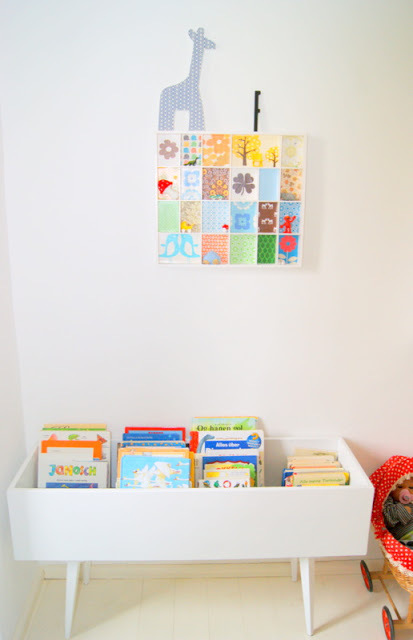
(256,158)
(244,146)
(273,155)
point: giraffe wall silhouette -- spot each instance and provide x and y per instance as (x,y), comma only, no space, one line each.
(186,95)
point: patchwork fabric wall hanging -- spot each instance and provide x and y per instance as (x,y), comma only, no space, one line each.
(227,199)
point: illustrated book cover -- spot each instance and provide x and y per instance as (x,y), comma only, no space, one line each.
(55,468)
(154,472)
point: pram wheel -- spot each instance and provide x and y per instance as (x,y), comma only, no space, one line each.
(366,576)
(387,623)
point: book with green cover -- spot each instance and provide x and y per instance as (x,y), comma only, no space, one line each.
(223,423)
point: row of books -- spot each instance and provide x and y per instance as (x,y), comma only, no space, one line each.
(314,468)
(221,453)
(74,456)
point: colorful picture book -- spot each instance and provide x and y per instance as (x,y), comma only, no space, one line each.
(230,199)
(95,446)
(226,479)
(233,443)
(223,423)
(154,458)
(74,456)
(154,430)
(55,470)
(154,472)
(218,423)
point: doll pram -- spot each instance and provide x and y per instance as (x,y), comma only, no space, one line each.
(398,558)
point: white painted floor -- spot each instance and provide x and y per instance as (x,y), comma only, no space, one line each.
(215,609)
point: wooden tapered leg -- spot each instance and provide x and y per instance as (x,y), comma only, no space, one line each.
(307,582)
(72,578)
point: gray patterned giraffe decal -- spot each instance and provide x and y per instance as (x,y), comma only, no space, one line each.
(185,95)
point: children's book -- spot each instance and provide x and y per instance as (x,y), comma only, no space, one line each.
(152,435)
(223,423)
(80,435)
(81,453)
(290,472)
(314,452)
(151,443)
(154,472)
(317,479)
(220,457)
(218,423)
(60,468)
(205,463)
(73,426)
(309,461)
(226,479)
(235,466)
(231,439)
(65,485)
(235,441)
(95,445)
(150,451)
(155,429)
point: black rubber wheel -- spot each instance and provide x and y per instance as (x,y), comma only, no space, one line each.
(387,623)
(366,576)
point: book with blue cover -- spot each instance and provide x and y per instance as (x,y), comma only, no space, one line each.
(235,441)
(227,459)
(151,435)
(154,472)
(66,485)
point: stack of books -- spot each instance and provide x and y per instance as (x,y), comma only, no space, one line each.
(314,468)
(229,452)
(74,456)
(154,458)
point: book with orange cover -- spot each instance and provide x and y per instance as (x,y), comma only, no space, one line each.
(96,445)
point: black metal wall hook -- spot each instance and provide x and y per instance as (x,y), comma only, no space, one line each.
(256,110)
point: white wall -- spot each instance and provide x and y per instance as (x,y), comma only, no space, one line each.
(16,579)
(104,333)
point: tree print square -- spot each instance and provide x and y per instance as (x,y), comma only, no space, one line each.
(230,199)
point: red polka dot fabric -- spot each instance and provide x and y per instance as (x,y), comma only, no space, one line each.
(384,479)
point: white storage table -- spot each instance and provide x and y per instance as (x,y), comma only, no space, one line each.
(174,525)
